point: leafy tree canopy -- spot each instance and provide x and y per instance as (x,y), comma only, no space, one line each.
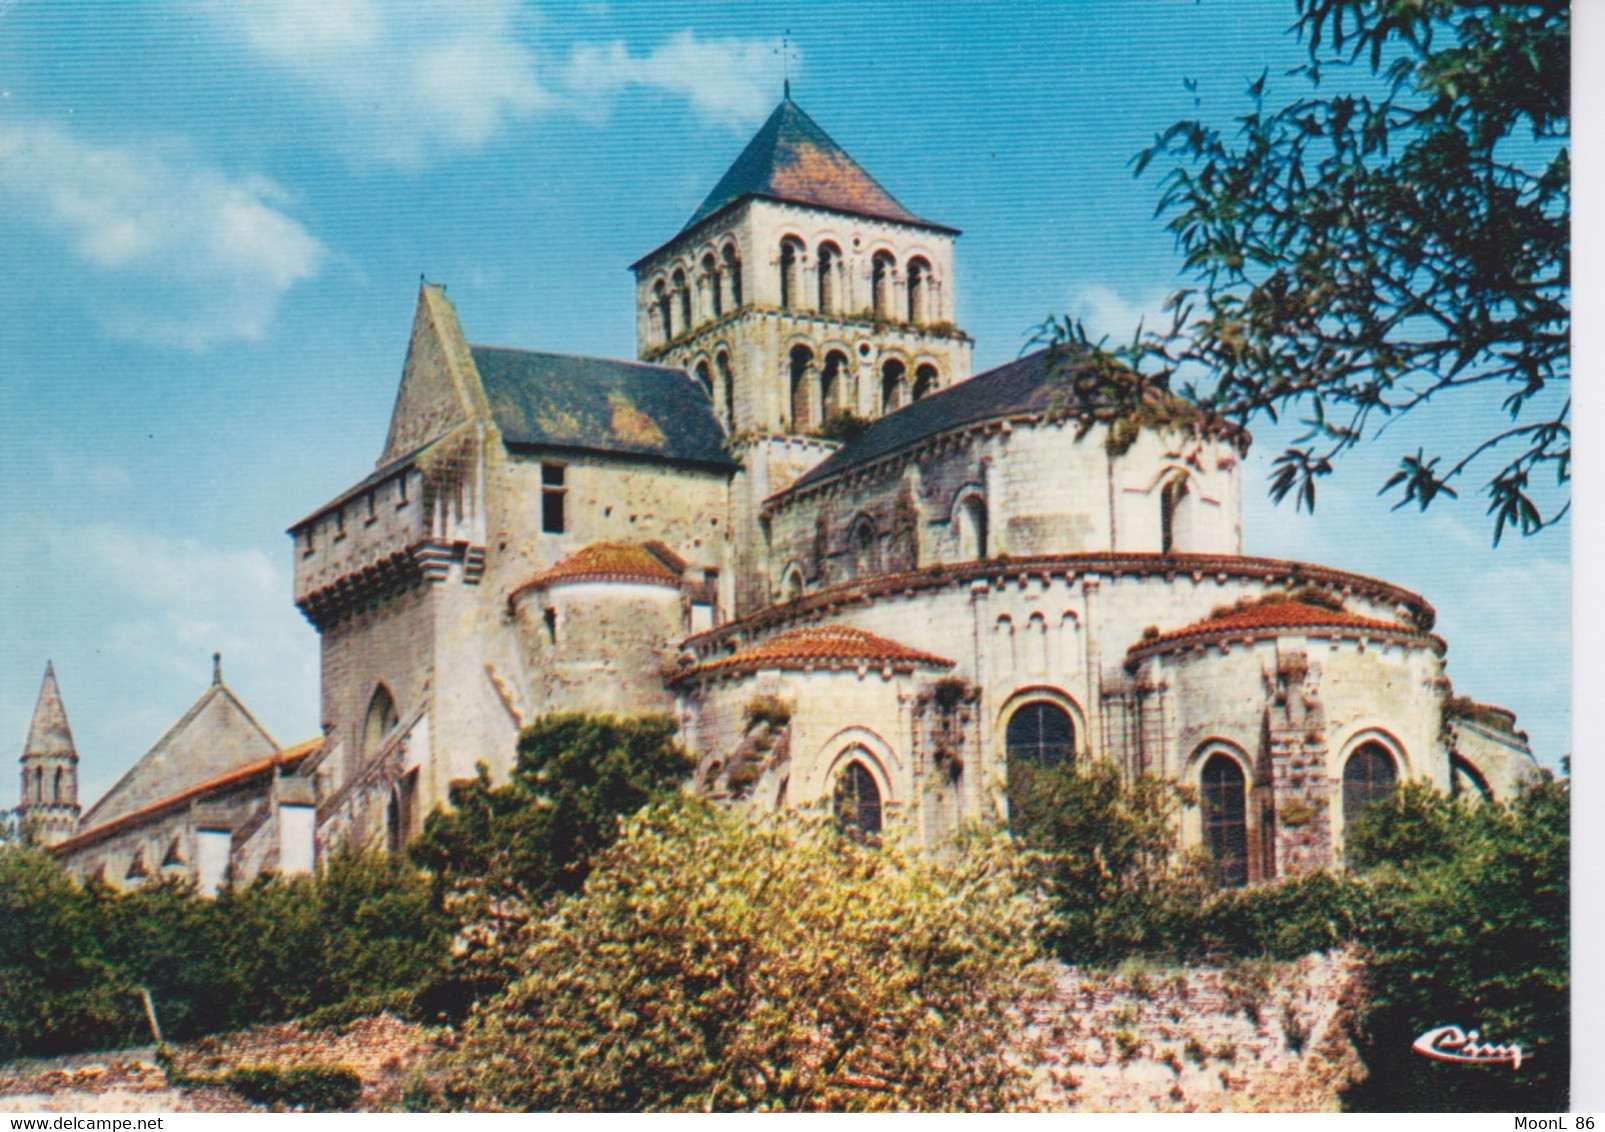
(1398,237)
(714,962)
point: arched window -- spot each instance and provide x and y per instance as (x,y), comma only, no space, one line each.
(791,253)
(1466,780)
(1041,734)
(727,384)
(56,797)
(880,283)
(1175,526)
(892,382)
(828,263)
(919,282)
(861,544)
(684,292)
(705,377)
(382,719)
(791,586)
(970,524)
(833,384)
(710,277)
(665,305)
(1367,776)
(802,361)
(924,381)
(732,274)
(1225,798)
(858,800)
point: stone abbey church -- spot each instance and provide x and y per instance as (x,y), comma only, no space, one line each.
(989,573)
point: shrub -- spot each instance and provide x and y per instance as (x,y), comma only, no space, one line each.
(714,962)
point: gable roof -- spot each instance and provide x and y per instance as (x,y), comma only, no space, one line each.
(287,759)
(600,405)
(1038,383)
(792,159)
(217,735)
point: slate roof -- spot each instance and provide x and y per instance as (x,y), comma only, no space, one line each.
(1025,386)
(1273,615)
(792,159)
(610,562)
(820,646)
(49,734)
(600,405)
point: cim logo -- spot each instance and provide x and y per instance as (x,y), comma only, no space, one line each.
(1451,1043)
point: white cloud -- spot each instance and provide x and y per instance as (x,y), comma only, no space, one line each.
(414,82)
(409,80)
(184,254)
(1108,314)
(727,81)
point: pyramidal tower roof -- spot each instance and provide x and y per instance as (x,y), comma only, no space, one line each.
(792,159)
(49,734)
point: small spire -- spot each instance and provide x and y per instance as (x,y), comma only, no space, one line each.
(49,733)
(217,668)
(788,90)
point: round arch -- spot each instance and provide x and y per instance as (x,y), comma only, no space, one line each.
(1226,821)
(969,521)
(792,582)
(1380,763)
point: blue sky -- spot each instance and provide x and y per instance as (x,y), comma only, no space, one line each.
(217,214)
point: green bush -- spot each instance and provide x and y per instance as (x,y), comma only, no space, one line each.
(1473,928)
(503,851)
(714,962)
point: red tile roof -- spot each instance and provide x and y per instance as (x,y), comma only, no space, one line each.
(288,757)
(821,646)
(609,562)
(1264,617)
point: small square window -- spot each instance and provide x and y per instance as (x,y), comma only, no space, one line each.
(552,474)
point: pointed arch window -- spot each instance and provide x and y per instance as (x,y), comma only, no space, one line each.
(791,253)
(828,266)
(1224,791)
(880,283)
(381,720)
(732,274)
(919,285)
(858,801)
(1368,776)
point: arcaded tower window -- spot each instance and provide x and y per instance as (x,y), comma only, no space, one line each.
(880,283)
(893,376)
(919,283)
(924,381)
(710,276)
(684,292)
(828,266)
(791,253)
(732,274)
(802,361)
(665,305)
(1225,797)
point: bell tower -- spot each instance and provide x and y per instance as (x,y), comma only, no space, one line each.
(801,293)
(49,809)
(807,301)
